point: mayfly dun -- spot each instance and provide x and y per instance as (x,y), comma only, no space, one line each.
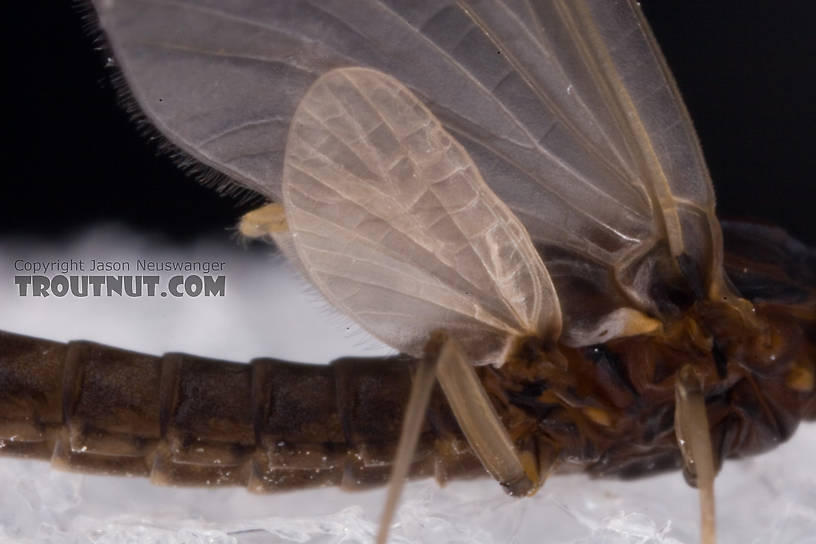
(521,207)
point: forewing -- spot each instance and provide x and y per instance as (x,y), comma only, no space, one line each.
(393,222)
(566,107)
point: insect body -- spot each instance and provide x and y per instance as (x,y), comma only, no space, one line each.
(387,214)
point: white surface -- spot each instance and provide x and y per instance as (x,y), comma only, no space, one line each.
(771,498)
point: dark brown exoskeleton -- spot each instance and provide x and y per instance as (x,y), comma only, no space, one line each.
(186,420)
(543,213)
(86,406)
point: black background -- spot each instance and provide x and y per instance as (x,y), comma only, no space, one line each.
(73,157)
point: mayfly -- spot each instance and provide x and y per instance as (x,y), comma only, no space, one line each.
(543,204)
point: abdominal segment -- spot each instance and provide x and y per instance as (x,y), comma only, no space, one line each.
(186,420)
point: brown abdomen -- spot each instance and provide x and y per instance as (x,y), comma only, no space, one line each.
(179,419)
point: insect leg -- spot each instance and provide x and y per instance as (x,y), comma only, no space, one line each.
(423,383)
(694,438)
(265,221)
(517,473)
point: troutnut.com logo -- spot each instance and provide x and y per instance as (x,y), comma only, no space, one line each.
(98,278)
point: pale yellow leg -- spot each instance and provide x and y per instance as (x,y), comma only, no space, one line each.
(474,412)
(694,437)
(265,221)
(518,474)
(424,381)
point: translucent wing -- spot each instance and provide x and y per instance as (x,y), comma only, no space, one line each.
(566,107)
(394,224)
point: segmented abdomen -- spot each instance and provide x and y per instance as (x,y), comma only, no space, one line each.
(180,419)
